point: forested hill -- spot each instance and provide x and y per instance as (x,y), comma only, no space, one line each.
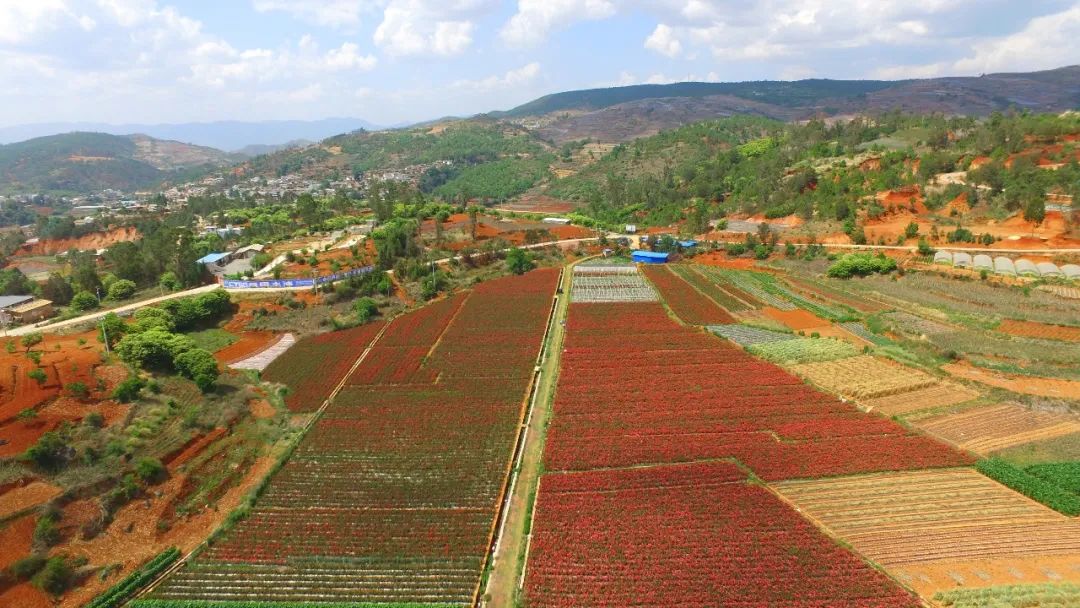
(81,163)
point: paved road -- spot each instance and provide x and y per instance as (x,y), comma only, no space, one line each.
(97,315)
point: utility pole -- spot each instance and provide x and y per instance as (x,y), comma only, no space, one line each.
(105,335)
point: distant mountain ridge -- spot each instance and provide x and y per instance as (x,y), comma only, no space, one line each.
(623,113)
(223,135)
(81,163)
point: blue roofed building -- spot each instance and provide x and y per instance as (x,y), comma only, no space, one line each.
(649,257)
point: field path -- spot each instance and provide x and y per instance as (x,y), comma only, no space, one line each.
(508,562)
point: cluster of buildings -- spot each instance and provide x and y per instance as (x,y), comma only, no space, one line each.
(231,263)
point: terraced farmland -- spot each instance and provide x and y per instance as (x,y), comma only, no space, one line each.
(996,427)
(864,377)
(392,496)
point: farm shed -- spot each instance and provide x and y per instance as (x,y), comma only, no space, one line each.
(983,262)
(1026,268)
(32,311)
(1071,271)
(943,257)
(1047,269)
(687,244)
(649,257)
(1003,265)
(962,260)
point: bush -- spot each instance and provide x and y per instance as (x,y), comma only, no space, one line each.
(37,374)
(861,264)
(519,261)
(79,390)
(169,282)
(56,577)
(1035,488)
(46,533)
(94,420)
(27,567)
(122,290)
(152,318)
(150,470)
(199,366)
(366,309)
(128,390)
(83,301)
(50,452)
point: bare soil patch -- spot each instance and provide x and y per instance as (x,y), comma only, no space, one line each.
(1025,385)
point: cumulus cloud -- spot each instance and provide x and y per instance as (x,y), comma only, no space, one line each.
(535,19)
(1044,43)
(330,13)
(22,21)
(430,27)
(524,75)
(664,41)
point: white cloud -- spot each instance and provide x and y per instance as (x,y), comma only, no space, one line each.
(430,27)
(524,75)
(330,13)
(22,20)
(664,41)
(535,19)
(1044,43)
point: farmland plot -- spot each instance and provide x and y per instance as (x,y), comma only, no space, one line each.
(803,350)
(709,287)
(392,496)
(688,303)
(937,529)
(745,335)
(745,281)
(611,284)
(864,377)
(942,394)
(996,427)
(614,524)
(1029,329)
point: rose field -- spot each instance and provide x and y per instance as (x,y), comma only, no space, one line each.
(641,504)
(392,496)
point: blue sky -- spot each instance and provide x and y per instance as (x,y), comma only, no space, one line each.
(394,61)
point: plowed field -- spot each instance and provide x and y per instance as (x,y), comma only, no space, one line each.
(943,394)
(864,377)
(996,427)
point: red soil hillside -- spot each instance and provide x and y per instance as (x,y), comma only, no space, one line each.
(96,240)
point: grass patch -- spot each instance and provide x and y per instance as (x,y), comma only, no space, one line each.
(1012,596)
(1058,449)
(212,339)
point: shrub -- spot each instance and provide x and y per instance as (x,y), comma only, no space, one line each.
(94,420)
(861,264)
(78,390)
(199,366)
(128,390)
(46,533)
(365,308)
(83,301)
(150,470)
(27,567)
(38,374)
(56,577)
(122,289)
(169,282)
(50,452)
(519,261)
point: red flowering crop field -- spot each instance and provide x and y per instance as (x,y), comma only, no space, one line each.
(641,504)
(689,304)
(312,367)
(392,497)
(687,535)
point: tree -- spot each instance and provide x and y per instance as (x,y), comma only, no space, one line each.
(169,282)
(519,261)
(50,452)
(150,470)
(56,577)
(122,289)
(84,301)
(199,366)
(113,327)
(128,390)
(57,290)
(31,340)
(1035,211)
(911,231)
(149,318)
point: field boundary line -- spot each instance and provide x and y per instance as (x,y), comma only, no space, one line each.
(513,465)
(285,458)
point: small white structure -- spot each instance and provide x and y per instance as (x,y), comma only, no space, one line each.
(983,262)
(561,221)
(1047,269)
(943,257)
(962,260)
(1071,271)
(1003,265)
(631,229)
(1026,268)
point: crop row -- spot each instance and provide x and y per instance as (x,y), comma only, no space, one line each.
(391,497)
(691,535)
(688,303)
(745,335)
(132,583)
(314,366)
(710,288)
(614,287)
(804,350)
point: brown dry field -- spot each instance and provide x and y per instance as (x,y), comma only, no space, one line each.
(1025,385)
(25,497)
(1031,329)
(933,528)
(943,394)
(984,430)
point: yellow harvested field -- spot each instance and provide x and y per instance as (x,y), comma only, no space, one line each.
(864,377)
(942,394)
(898,519)
(996,427)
